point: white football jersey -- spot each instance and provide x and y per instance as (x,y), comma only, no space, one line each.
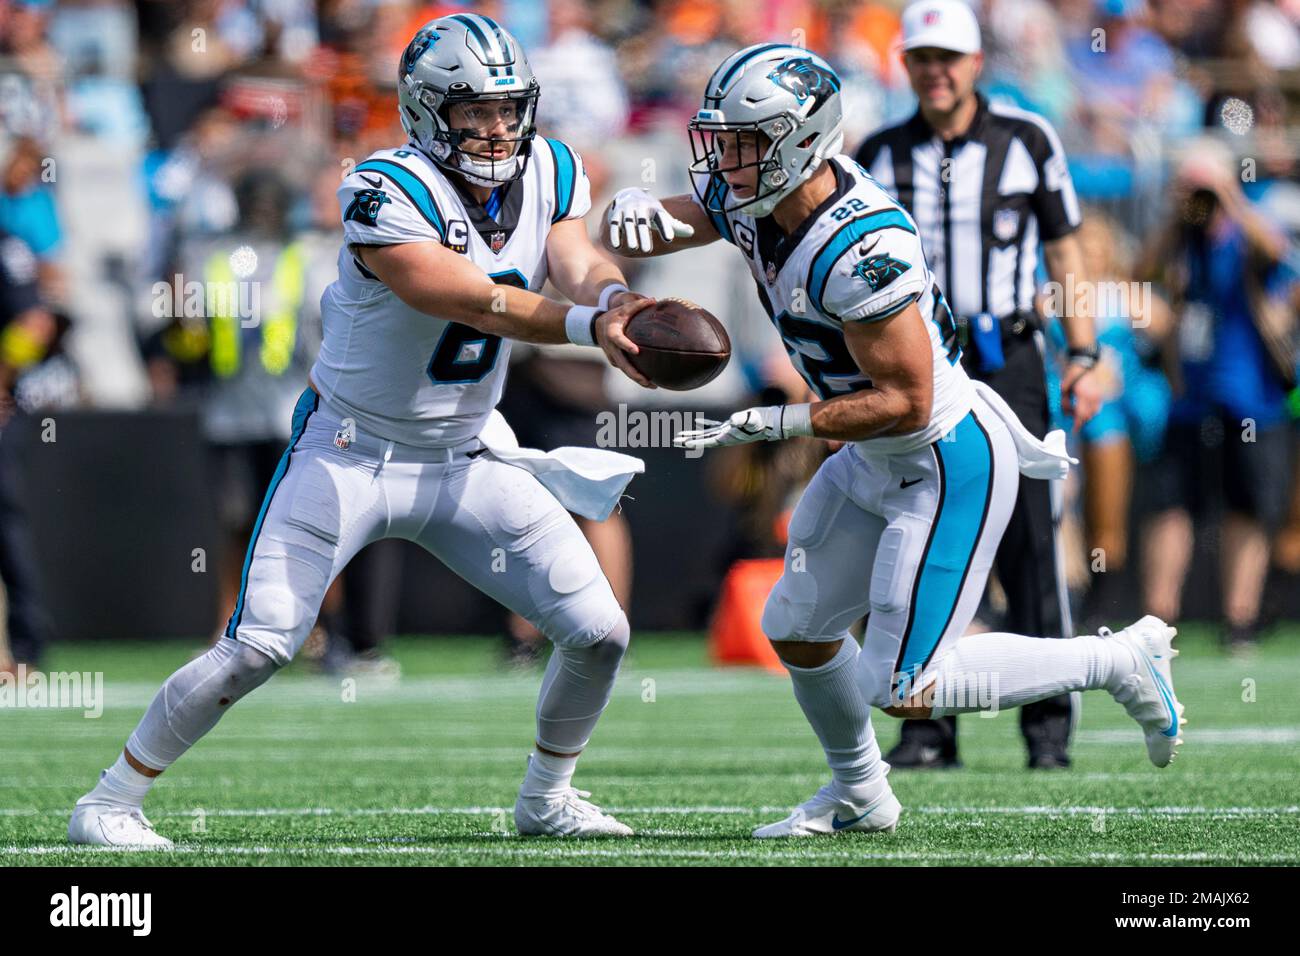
(857,258)
(400,373)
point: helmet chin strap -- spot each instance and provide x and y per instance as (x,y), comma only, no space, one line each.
(477,173)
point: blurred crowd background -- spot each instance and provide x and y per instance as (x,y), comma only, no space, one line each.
(141,144)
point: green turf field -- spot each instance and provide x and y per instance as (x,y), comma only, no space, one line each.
(425,771)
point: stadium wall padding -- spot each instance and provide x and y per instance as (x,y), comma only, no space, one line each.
(118,503)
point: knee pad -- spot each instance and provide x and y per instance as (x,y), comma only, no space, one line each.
(609,650)
(227,672)
(589,616)
(790,607)
(194,698)
(249,669)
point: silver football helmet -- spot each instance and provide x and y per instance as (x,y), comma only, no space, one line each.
(461,59)
(789,95)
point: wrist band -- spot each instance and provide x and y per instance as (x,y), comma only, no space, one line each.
(608,293)
(796,421)
(1085,357)
(580,324)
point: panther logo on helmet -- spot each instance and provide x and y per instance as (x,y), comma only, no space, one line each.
(418,46)
(804,78)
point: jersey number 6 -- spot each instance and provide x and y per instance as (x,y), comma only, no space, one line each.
(464,354)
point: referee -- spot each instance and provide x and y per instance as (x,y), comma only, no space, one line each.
(986,185)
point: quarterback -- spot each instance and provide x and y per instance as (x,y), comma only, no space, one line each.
(446,241)
(902,523)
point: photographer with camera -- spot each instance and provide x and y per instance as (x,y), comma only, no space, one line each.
(1222,266)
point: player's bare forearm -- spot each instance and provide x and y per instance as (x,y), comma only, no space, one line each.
(438,282)
(896,354)
(576,267)
(870,413)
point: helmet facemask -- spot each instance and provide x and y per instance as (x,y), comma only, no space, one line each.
(708,131)
(450,136)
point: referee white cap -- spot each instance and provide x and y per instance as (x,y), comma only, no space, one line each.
(942,24)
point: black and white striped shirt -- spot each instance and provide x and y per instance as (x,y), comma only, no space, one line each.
(1007,187)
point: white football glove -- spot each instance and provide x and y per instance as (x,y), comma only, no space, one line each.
(631,214)
(766,423)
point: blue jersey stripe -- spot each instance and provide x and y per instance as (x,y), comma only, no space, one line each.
(894,309)
(823,262)
(411,186)
(307,403)
(566,175)
(966,489)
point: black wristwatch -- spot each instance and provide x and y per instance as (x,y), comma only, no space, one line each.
(1086,358)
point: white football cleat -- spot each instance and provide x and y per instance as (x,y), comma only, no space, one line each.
(827,812)
(1148,693)
(565,814)
(111,824)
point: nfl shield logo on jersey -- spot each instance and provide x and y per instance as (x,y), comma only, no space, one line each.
(498,241)
(345,436)
(1005,224)
(770,272)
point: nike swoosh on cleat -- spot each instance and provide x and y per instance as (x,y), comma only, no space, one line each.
(1167,694)
(836,824)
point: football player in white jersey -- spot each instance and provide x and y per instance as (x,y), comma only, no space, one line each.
(446,242)
(901,524)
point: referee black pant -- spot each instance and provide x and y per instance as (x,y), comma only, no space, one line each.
(1026,561)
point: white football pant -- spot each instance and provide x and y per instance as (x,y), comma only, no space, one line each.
(337,489)
(909,538)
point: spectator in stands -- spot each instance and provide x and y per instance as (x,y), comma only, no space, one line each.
(1273,33)
(1124,73)
(31,72)
(1128,429)
(1222,266)
(584,102)
(27,330)
(28,211)
(254,280)
(1025,58)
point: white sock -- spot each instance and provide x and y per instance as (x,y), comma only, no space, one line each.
(548,774)
(122,784)
(841,717)
(996,671)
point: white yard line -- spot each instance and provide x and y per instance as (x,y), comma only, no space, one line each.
(235,746)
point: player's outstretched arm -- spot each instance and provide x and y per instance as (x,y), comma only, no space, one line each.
(637,225)
(581,271)
(432,279)
(896,354)
(894,351)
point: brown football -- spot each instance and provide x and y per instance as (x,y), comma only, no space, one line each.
(682,346)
